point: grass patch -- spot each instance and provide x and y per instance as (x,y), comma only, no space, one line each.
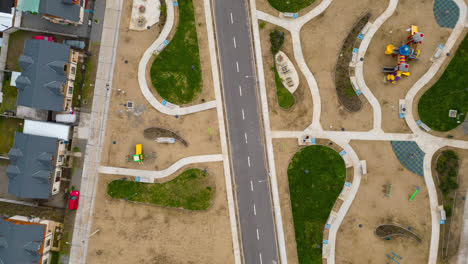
(54,257)
(8,126)
(290,5)
(285,99)
(9,97)
(191,190)
(447,169)
(176,71)
(316,176)
(449,92)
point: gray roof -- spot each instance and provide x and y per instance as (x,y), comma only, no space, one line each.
(20,243)
(65,9)
(31,165)
(6,5)
(42,74)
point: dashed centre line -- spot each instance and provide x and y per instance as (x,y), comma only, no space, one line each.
(261,262)
(243,115)
(235,44)
(251,186)
(248,160)
(240,90)
(245,136)
(258,236)
(237,66)
(255,210)
(232,20)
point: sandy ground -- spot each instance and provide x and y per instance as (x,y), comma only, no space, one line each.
(457,133)
(456,226)
(138,233)
(322,39)
(299,116)
(124,128)
(371,208)
(284,150)
(387,94)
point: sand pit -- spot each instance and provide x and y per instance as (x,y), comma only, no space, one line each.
(371,208)
(299,116)
(125,128)
(389,94)
(322,39)
(137,233)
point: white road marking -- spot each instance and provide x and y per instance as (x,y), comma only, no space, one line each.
(240,90)
(237,66)
(235,44)
(232,20)
(258,236)
(245,135)
(255,210)
(248,160)
(261,262)
(243,115)
(251,186)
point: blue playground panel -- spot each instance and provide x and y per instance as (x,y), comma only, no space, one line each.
(446,13)
(442,222)
(347,184)
(175,3)
(360,36)
(402,115)
(343,152)
(355,50)
(327,226)
(358,92)
(325,242)
(440,46)
(312,141)
(296,15)
(137,178)
(410,155)
(164,102)
(166,42)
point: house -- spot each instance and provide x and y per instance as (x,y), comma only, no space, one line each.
(27,240)
(65,12)
(7,10)
(36,162)
(48,71)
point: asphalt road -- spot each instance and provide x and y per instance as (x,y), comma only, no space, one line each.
(244,132)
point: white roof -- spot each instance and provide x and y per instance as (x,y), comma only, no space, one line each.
(46,129)
(6,20)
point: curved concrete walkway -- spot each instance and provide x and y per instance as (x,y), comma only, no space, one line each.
(152,175)
(156,47)
(359,65)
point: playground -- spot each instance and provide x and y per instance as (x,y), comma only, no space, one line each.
(394,31)
(138,233)
(299,116)
(384,199)
(130,114)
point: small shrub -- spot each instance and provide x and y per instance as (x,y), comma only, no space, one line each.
(76,149)
(448,210)
(262,25)
(276,40)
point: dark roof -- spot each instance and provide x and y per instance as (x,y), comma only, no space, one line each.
(6,5)
(42,74)
(20,243)
(31,165)
(65,9)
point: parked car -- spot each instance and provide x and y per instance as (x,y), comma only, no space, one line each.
(51,39)
(77,44)
(73,200)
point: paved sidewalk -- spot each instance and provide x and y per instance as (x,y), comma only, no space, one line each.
(463,248)
(157,46)
(152,175)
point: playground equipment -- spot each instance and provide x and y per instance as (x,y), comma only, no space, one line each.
(414,194)
(409,51)
(388,190)
(394,257)
(139,156)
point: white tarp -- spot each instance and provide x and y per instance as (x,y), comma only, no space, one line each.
(14,76)
(46,129)
(6,20)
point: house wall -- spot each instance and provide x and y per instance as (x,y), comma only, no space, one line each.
(72,67)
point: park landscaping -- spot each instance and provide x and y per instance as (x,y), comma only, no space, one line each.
(291,5)
(448,93)
(192,190)
(285,99)
(176,71)
(316,175)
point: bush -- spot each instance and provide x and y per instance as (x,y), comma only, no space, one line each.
(276,40)
(448,210)
(262,25)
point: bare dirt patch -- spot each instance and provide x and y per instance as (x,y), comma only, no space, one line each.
(125,128)
(299,116)
(388,94)
(322,39)
(138,233)
(371,208)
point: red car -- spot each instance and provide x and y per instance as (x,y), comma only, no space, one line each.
(44,38)
(73,200)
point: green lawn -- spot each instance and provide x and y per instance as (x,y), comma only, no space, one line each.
(9,97)
(192,190)
(316,177)
(449,92)
(8,126)
(176,71)
(285,99)
(290,5)
(54,259)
